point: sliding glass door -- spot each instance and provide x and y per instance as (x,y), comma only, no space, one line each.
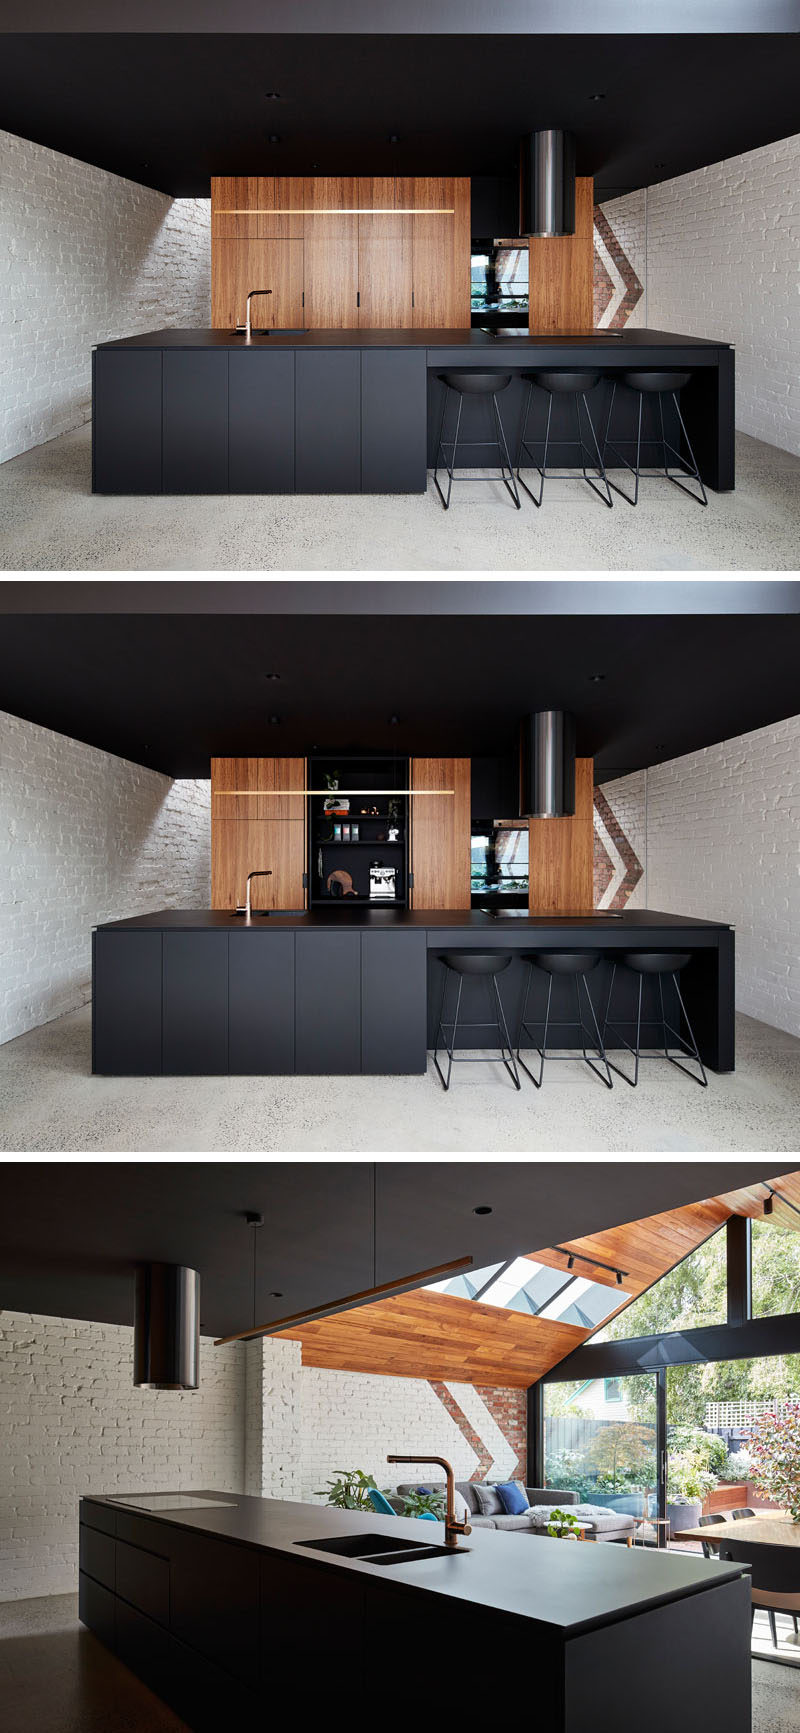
(601,1441)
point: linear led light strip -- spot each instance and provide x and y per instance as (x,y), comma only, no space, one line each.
(277,793)
(347,1302)
(337,211)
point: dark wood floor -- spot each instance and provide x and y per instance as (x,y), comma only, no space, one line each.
(56,1678)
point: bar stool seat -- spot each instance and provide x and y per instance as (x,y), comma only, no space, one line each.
(488,964)
(472,383)
(658,963)
(577,964)
(560,382)
(650,382)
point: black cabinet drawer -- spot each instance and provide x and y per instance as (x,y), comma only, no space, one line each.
(97,1552)
(261,421)
(214,1601)
(97,1609)
(195,1004)
(209,1700)
(328,409)
(126,1008)
(394,1007)
(143,1646)
(328,1013)
(143,1579)
(98,1516)
(394,395)
(260,1003)
(195,421)
(126,421)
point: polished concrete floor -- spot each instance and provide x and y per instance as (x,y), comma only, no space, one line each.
(50,1102)
(49,521)
(56,1678)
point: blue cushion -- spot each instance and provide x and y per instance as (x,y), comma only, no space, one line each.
(425,1491)
(513,1497)
(380,1503)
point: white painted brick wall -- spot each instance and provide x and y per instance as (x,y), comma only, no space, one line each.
(723,260)
(84,837)
(627,797)
(273,1419)
(354,1419)
(628,219)
(73,1423)
(84,256)
(723,843)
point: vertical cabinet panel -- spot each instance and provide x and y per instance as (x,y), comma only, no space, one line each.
(394,385)
(244,264)
(441,833)
(195,421)
(331,253)
(261,421)
(561,852)
(328,421)
(214,1601)
(328,1010)
(261,1003)
(263,827)
(394,970)
(283,220)
(561,271)
(385,278)
(235,204)
(195,999)
(126,1004)
(441,249)
(126,431)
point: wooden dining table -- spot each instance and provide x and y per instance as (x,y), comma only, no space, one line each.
(767,1528)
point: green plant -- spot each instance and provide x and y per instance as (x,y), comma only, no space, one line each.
(417,1503)
(688,1480)
(561,1524)
(707,1447)
(775,1449)
(738,1468)
(349,1489)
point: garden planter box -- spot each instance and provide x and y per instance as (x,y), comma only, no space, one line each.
(734,1495)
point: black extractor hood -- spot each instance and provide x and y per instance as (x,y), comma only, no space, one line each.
(166,1337)
(547,765)
(547,183)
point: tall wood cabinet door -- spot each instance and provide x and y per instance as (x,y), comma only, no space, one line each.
(561,272)
(441,831)
(262,825)
(281,219)
(235,204)
(331,254)
(561,852)
(385,279)
(241,265)
(283,266)
(441,250)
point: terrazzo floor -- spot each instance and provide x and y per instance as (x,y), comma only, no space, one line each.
(56,1678)
(50,521)
(50,1102)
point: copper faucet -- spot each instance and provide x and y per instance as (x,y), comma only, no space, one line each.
(452,1527)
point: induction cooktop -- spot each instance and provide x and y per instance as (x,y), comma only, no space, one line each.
(173,1501)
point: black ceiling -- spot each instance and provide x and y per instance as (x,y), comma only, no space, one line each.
(171,110)
(72,1233)
(170,690)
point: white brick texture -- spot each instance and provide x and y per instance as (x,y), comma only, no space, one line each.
(722,252)
(84,256)
(84,837)
(73,1423)
(722,831)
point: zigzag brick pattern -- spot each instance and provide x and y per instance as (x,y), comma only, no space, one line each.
(606,869)
(508,1410)
(613,302)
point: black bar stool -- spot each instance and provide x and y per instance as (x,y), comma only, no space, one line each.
(649,384)
(577,964)
(561,382)
(473,385)
(490,964)
(658,963)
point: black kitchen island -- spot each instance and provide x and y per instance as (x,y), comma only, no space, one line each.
(207,411)
(346,990)
(227,1611)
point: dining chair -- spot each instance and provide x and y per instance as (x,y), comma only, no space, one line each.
(737,1514)
(703,1522)
(774,1577)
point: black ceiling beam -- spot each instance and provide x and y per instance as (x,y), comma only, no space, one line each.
(454,17)
(757,1339)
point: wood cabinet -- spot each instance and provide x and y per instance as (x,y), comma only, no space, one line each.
(258,821)
(339,252)
(561,853)
(561,271)
(441,833)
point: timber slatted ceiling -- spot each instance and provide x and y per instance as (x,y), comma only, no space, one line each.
(433,1335)
(425,1335)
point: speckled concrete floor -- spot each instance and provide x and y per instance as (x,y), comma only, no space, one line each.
(56,1678)
(49,521)
(50,1102)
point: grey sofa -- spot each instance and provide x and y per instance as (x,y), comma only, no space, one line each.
(606,1525)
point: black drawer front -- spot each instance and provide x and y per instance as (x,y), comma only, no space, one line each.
(143,1646)
(98,1516)
(97,1555)
(143,1580)
(144,1531)
(96,1609)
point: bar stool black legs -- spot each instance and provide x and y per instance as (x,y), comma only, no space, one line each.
(576,385)
(655,963)
(489,964)
(660,384)
(481,385)
(577,964)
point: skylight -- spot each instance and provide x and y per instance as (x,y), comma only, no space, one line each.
(521,1285)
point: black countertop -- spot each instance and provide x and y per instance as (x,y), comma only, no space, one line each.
(570,1588)
(365,915)
(481,341)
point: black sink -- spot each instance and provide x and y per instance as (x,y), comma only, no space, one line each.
(380,1549)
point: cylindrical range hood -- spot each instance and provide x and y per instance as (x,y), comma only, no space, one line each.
(547,183)
(547,765)
(166,1337)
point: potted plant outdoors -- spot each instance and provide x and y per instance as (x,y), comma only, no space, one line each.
(775,1451)
(689,1482)
(349,1489)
